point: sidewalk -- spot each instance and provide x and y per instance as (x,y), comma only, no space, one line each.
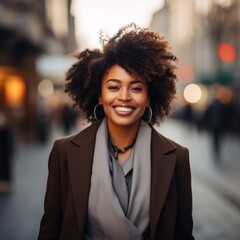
(216,194)
(215,218)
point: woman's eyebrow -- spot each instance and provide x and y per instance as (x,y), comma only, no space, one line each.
(137,81)
(119,81)
(113,80)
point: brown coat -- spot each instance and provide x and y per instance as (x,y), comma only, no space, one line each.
(70,166)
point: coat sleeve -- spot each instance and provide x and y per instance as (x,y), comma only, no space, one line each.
(52,217)
(184,222)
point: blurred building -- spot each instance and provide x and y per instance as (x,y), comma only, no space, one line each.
(196,29)
(28,30)
(205,36)
(176,22)
(224,17)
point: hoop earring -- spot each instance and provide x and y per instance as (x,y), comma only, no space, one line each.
(150,114)
(94,112)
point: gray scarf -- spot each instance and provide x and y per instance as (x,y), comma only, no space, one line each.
(106,219)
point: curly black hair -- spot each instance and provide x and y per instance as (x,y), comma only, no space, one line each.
(139,51)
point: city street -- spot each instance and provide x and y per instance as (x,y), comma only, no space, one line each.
(216,195)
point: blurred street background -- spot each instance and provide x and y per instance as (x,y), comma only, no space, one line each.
(37,38)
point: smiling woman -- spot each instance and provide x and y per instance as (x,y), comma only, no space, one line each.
(119,178)
(124,98)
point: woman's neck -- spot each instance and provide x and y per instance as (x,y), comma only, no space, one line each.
(122,136)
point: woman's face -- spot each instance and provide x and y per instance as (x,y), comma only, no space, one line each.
(124,97)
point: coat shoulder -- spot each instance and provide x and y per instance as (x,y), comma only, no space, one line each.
(85,136)
(169,146)
(161,139)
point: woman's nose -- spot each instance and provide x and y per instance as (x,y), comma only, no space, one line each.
(124,95)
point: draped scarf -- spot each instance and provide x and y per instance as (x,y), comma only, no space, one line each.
(106,219)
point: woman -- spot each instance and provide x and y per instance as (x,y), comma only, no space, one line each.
(120,178)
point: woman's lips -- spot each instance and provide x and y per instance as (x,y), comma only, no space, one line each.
(124,110)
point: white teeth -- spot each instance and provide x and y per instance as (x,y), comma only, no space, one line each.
(124,109)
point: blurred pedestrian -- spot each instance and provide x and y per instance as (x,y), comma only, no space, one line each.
(188,115)
(216,116)
(214,119)
(43,124)
(120,178)
(6,153)
(68,118)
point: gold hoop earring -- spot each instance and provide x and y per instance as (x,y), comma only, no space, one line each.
(94,112)
(150,114)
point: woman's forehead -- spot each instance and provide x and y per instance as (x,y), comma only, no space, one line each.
(118,72)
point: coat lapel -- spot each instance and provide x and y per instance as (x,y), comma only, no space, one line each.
(80,158)
(163,165)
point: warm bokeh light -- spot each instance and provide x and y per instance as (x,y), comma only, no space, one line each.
(226,52)
(192,93)
(224,94)
(15,90)
(186,73)
(45,88)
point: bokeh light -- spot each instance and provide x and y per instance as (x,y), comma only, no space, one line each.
(226,52)
(15,91)
(224,94)
(186,73)
(192,93)
(45,88)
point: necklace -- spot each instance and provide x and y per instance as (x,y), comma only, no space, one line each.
(118,150)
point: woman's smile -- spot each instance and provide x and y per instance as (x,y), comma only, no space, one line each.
(124,109)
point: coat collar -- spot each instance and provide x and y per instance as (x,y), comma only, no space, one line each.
(80,157)
(163,164)
(86,136)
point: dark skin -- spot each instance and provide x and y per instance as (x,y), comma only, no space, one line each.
(124,97)
(122,138)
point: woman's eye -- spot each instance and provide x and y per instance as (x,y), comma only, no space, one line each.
(113,88)
(136,89)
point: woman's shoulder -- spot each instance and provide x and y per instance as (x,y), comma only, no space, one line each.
(162,139)
(85,135)
(166,146)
